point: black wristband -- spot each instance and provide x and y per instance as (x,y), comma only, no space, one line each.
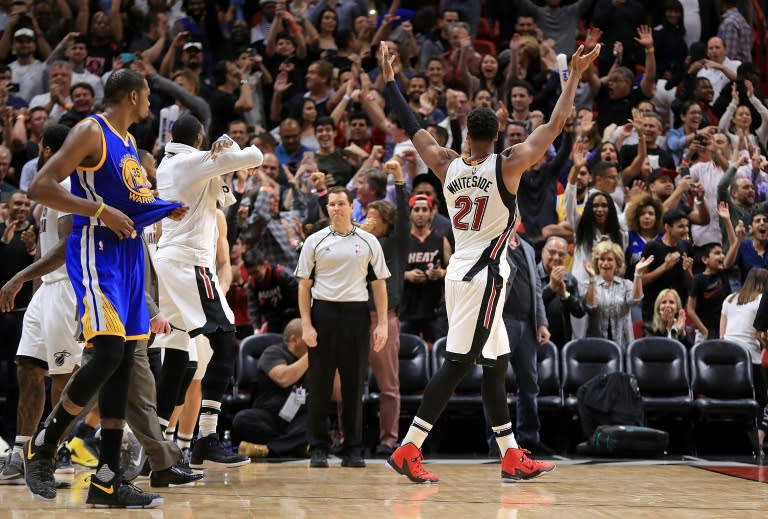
(400,108)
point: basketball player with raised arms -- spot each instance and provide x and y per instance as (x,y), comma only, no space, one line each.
(481,195)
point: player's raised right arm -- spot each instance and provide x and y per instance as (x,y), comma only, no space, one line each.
(434,156)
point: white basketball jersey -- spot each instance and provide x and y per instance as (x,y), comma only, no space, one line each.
(49,237)
(150,238)
(482,215)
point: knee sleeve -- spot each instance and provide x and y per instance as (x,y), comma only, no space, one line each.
(107,356)
(171,376)
(113,397)
(440,389)
(189,373)
(221,367)
(494,391)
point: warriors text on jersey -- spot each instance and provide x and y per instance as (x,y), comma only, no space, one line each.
(107,273)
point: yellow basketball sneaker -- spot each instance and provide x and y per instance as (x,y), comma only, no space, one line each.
(82,453)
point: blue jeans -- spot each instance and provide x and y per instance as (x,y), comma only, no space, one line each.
(522,345)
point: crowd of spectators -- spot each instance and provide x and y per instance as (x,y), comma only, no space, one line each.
(658,187)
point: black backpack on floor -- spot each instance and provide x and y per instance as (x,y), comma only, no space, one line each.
(610,399)
(613,419)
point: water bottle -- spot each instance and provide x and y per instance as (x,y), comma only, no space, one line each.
(562,70)
(227,442)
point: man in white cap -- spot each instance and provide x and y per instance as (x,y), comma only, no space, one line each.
(27,70)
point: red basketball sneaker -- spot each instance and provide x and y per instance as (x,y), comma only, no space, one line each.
(517,466)
(406,460)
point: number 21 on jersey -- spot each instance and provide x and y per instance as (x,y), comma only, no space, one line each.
(469,211)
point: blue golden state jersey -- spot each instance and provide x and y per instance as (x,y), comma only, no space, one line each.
(118,180)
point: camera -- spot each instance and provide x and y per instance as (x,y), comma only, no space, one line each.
(700,139)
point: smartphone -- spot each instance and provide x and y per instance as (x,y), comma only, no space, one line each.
(127,57)
(308,156)
(13,87)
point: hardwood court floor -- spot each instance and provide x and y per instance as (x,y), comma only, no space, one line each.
(468,490)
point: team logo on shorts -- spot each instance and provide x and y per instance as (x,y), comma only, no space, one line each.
(135,180)
(60,357)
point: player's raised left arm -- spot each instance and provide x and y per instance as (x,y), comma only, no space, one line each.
(521,157)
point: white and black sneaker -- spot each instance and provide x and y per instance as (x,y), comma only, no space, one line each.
(208,453)
(109,492)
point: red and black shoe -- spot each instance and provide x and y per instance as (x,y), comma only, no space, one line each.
(406,460)
(517,466)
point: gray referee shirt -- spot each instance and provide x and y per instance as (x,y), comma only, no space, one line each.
(341,265)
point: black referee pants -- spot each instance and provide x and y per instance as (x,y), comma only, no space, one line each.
(343,341)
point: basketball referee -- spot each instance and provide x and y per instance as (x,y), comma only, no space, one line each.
(335,265)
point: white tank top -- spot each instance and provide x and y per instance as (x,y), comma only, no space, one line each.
(482,215)
(49,237)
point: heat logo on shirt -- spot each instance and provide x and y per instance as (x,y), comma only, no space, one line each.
(135,180)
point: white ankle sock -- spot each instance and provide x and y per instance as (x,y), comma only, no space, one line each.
(505,438)
(417,432)
(209,417)
(184,441)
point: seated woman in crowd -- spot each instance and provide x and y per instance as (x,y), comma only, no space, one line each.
(609,297)
(669,319)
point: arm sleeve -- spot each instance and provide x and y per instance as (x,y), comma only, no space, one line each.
(397,104)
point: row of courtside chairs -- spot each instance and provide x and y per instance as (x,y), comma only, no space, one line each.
(713,382)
